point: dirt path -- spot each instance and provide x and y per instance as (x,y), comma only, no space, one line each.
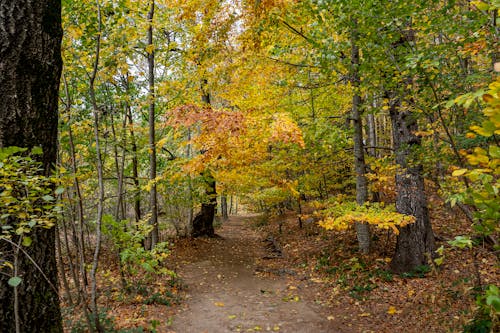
(227,294)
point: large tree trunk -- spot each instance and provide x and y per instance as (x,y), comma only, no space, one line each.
(203,223)
(30,69)
(415,243)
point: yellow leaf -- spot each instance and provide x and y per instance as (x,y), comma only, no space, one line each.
(150,48)
(458,172)
(219,304)
(392,310)
(365,314)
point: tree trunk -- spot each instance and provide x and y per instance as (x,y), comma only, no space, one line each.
(223,207)
(372,142)
(415,243)
(362,229)
(135,165)
(203,223)
(153,200)
(100,179)
(30,69)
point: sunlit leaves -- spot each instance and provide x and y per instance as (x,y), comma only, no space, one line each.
(341,216)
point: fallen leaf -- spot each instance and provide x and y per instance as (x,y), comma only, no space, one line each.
(220,304)
(392,310)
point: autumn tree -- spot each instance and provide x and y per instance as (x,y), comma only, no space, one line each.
(30,68)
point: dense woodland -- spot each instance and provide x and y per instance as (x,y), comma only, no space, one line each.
(370,124)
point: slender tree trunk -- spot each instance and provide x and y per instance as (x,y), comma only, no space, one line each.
(372,142)
(119,166)
(135,166)
(80,242)
(223,207)
(100,178)
(119,215)
(415,243)
(30,70)
(189,228)
(153,199)
(372,134)
(362,229)
(62,273)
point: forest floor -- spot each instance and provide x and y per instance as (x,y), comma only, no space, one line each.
(263,274)
(230,289)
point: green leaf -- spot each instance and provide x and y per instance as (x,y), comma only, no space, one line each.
(37,150)
(461,242)
(494,151)
(14,281)
(48,198)
(27,241)
(59,190)
(439,261)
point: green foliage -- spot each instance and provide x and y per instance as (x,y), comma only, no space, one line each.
(461,242)
(128,240)
(418,272)
(26,195)
(488,312)
(484,170)
(26,198)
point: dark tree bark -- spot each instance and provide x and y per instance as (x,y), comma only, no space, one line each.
(415,243)
(223,207)
(153,196)
(30,69)
(203,222)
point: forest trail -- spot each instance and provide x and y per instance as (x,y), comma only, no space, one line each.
(226,292)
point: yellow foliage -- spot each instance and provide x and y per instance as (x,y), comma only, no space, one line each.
(383,217)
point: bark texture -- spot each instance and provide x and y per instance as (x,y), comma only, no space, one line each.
(362,229)
(415,243)
(223,207)
(153,196)
(203,222)
(30,69)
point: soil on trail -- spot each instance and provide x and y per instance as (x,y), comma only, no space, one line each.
(229,288)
